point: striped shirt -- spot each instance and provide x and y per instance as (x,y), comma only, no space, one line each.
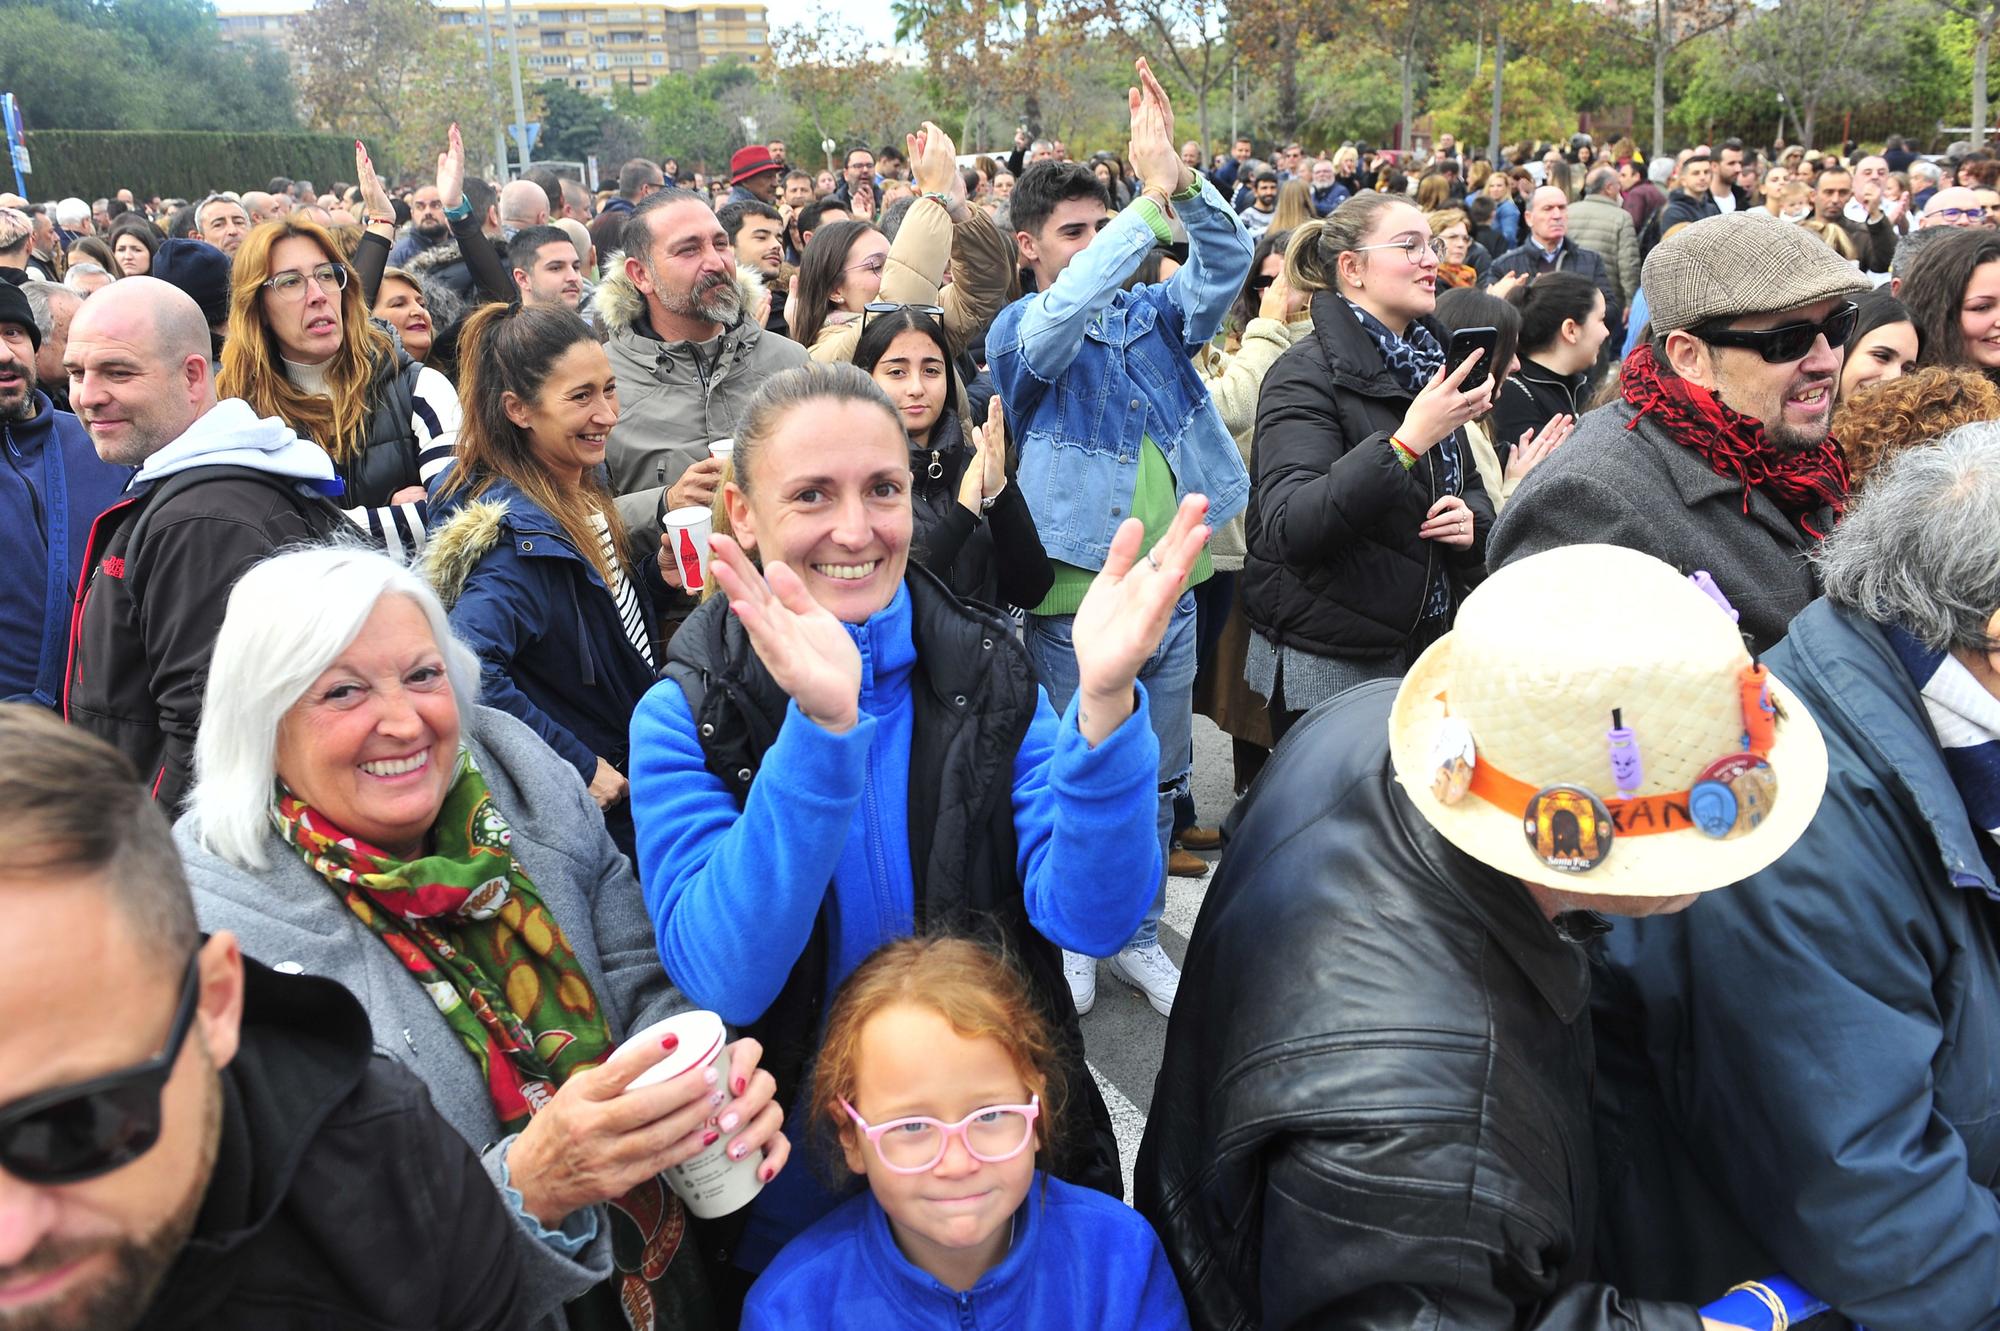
(623,592)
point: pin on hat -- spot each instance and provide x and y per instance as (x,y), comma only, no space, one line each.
(1633,751)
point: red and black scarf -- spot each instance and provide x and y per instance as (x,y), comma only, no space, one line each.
(1800,484)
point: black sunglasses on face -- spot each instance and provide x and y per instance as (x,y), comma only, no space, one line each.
(1787,342)
(70,1134)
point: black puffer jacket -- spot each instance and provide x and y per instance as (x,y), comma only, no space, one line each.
(340,1199)
(1374,1110)
(995,558)
(1335,565)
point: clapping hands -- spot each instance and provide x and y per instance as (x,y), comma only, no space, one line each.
(1125,613)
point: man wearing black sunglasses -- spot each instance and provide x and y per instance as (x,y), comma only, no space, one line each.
(189,1139)
(1716,455)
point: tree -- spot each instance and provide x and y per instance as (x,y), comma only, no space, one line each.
(1985,18)
(1811,52)
(1401,28)
(1271,35)
(572,122)
(685,115)
(386,71)
(1185,38)
(826,70)
(1664,27)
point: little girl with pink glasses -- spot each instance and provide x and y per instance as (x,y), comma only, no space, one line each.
(939,1081)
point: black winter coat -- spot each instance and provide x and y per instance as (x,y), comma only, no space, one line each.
(974,695)
(1335,565)
(157,575)
(340,1199)
(1374,1110)
(996,558)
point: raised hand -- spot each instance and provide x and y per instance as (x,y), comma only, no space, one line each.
(1443,406)
(451,170)
(375,205)
(799,641)
(986,476)
(1152,152)
(933,160)
(1125,614)
(1536,445)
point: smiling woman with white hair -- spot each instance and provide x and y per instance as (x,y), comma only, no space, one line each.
(357,816)
(1821,1036)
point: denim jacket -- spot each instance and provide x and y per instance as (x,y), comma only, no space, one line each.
(1087,370)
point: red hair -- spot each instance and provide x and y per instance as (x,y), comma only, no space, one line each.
(976,990)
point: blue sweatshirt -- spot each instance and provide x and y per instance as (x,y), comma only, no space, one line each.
(733,893)
(52,487)
(1079,1260)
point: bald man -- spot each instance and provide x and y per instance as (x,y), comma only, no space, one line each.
(523,204)
(264,207)
(1952,206)
(216,491)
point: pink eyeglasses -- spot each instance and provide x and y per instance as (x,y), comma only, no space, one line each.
(914,1145)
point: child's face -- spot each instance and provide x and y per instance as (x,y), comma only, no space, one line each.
(912,1062)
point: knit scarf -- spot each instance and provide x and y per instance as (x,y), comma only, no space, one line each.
(1733,444)
(1967,721)
(468,925)
(1413,359)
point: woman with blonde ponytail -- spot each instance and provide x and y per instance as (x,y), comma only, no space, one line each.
(1367,520)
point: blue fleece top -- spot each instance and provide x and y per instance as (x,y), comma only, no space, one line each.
(52,488)
(1080,1259)
(734,892)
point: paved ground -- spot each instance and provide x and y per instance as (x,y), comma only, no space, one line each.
(1123,1036)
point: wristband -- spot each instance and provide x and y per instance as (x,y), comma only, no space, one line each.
(944,200)
(459,211)
(382,221)
(1403,452)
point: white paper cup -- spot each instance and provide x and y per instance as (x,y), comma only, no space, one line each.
(710,1184)
(722,449)
(687,532)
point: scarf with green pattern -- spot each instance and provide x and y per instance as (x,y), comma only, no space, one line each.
(467,923)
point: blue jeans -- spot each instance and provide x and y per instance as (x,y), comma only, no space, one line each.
(1169,679)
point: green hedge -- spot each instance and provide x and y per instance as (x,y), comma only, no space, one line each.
(94,163)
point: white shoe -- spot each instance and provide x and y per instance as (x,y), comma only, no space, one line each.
(1152,972)
(1081,972)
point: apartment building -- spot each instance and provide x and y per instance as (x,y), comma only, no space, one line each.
(592,47)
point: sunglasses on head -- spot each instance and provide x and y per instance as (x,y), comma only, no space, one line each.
(1787,342)
(70,1134)
(877,308)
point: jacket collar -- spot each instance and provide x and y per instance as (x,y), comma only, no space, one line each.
(1846,663)
(1547,954)
(27,438)
(1698,483)
(888,648)
(1351,355)
(1001,1297)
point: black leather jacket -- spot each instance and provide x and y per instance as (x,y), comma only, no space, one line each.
(1374,1109)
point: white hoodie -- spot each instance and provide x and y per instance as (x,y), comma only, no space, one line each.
(230,434)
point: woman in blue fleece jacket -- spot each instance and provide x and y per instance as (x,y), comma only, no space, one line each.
(844,754)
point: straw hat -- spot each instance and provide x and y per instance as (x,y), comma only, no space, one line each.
(1542,656)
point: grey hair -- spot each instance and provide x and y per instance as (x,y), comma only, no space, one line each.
(1600,180)
(39,295)
(273,644)
(1928,170)
(1910,246)
(1920,549)
(83,268)
(1660,170)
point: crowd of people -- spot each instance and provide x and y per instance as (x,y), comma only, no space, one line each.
(575,756)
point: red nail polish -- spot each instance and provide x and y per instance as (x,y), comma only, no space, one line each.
(764,1174)
(740,1085)
(711,1137)
(671,1043)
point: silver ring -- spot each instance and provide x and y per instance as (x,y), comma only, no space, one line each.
(1154,562)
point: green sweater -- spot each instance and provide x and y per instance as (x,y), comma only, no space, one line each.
(1153,503)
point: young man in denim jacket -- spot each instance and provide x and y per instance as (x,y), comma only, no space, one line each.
(1113,422)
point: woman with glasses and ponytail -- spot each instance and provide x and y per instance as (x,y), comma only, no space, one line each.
(301,348)
(1367,520)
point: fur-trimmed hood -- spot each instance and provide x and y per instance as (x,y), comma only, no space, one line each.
(455,548)
(620,305)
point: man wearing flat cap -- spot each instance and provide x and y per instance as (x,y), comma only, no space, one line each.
(1374,1110)
(1717,455)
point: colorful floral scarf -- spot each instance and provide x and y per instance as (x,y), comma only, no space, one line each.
(467,923)
(1800,484)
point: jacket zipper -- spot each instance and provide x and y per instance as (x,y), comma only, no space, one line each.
(1424,596)
(89,572)
(965,1310)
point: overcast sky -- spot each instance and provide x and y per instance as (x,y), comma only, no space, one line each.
(873,18)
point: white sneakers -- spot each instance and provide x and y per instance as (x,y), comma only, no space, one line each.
(1152,972)
(1148,969)
(1081,972)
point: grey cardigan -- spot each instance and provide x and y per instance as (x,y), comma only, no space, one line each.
(1638,488)
(286,916)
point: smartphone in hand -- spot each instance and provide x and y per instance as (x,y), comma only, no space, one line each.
(1463,341)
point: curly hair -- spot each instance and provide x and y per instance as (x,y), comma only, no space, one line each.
(1884,419)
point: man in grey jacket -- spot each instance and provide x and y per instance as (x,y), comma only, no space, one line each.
(1598,222)
(687,352)
(1717,457)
